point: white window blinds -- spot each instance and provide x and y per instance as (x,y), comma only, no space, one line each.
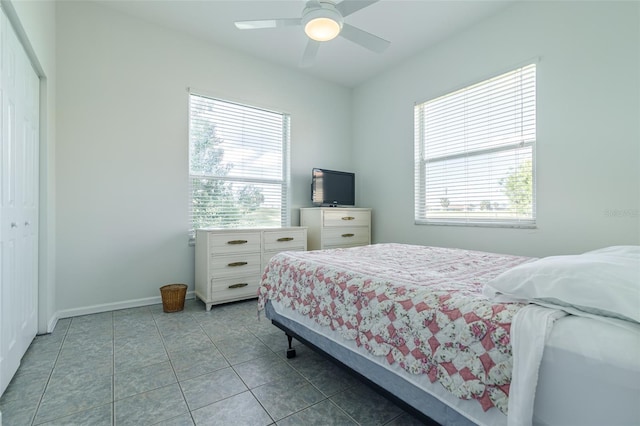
(238,165)
(474,153)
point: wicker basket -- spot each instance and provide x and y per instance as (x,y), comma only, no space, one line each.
(173,297)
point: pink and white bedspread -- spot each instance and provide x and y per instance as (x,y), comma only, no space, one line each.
(420,307)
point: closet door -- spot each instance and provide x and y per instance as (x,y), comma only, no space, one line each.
(28,195)
(19,99)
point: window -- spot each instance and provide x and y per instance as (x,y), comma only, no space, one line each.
(238,165)
(474,154)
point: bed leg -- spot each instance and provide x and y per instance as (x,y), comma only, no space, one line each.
(291,353)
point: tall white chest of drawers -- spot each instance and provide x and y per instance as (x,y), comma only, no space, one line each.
(230,262)
(335,227)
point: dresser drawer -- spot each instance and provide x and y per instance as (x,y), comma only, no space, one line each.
(341,217)
(235,264)
(235,242)
(344,237)
(282,240)
(235,287)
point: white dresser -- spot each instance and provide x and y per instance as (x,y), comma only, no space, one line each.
(230,262)
(333,227)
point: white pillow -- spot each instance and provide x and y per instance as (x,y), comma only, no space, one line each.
(604,282)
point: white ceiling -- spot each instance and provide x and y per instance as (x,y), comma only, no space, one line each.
(410,25)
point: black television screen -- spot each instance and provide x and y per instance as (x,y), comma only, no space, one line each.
(333,188)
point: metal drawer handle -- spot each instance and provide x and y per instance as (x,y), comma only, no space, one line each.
(237,263)
(348,218)
(348,235)
(237,242)
(285,239)
(239,285)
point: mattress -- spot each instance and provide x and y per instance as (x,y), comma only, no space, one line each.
(589,372)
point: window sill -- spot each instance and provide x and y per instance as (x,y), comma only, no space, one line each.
(517,225)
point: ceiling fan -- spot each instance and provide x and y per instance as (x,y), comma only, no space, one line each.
(323,20)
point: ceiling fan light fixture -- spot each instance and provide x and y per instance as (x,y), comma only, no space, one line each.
(322,23)
(322,29)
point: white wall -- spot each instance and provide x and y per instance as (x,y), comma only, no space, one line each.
(588,137)
(122,206)
(121,143)
(37,22)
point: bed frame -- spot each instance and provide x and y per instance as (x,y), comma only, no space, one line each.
(408,396)
(291,353)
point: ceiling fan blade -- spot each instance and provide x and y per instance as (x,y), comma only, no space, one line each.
(347,7)
(267,23)
(310,52)
(364,39)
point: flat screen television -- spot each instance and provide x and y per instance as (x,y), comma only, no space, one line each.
(332,188)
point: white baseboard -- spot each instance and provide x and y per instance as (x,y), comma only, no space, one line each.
(52,324)
(105,307)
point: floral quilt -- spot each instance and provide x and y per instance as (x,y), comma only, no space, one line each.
(419,307)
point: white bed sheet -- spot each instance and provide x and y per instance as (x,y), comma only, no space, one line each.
(589,374)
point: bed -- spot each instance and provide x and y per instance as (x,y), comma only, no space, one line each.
(445,331)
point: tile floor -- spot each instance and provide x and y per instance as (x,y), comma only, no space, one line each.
(142,366)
